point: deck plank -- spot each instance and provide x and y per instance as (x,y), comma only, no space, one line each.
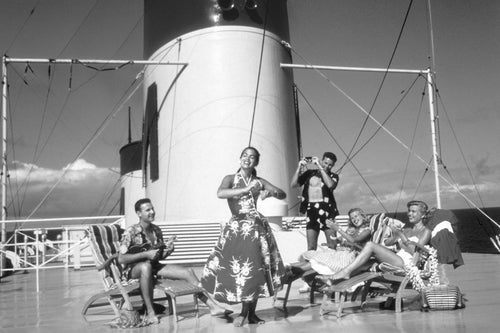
(63,291)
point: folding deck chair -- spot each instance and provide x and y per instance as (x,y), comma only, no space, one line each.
(393,282)
(104,241)
(442,224)
(379,232)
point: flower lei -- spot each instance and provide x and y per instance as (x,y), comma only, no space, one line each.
(415,274)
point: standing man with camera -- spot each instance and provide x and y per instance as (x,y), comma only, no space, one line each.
(318,201)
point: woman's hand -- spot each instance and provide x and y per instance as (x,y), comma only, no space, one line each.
(394,227)
(332,225)
(265,194)
(255,185)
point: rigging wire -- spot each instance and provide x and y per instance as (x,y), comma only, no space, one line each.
(35,156)
(341,149)
(461,150)
(407,91)
(79,27)
(103,69)
(454,186)
(32,11)
(176,46)
(393,136)
(44,112)
(264,29)
(381,83)
(359,107)
(488,231)
(28,67)
(119,106)
(11,133)
(106,196)
(417,188)
(131,90)
(31,168)
(141,17)
(414,135)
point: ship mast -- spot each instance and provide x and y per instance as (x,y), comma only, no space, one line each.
(432,108)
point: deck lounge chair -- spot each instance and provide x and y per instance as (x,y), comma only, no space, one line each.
(379,233)
(104,241)
(442,224)
(392,281)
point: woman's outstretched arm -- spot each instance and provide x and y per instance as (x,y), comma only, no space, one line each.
(269,190)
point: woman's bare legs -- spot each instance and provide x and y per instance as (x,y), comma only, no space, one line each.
(381,253)
(248,313)
(240,320)
(252,317)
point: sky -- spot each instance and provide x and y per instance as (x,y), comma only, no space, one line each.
(54,118)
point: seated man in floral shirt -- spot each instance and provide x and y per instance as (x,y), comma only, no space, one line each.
(141,249)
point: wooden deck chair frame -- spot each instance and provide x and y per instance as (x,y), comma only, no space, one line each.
(394,281)
(378,235)
(308,277)
(104,241)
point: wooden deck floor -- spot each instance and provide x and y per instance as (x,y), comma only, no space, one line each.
(57,307)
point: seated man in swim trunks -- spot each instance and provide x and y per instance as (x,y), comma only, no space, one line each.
(144,265)
(414,231)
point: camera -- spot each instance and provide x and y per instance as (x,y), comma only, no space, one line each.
(308,159)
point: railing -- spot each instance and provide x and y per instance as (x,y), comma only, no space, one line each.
(32,250)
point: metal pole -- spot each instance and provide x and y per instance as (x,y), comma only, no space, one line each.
(355,69)
(92,61)
(435,157)
(37,260)
(4,148)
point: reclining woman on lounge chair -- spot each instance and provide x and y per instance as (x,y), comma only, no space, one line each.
(330,261)
(413,234)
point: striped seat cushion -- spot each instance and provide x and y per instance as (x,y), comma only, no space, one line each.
(105,241)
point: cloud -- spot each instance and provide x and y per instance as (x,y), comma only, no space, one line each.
(78,189)
(80,164)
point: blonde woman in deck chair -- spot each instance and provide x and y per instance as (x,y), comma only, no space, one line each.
(348,244)
(408,239)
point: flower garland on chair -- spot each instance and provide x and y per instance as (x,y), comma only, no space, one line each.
(415,274)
